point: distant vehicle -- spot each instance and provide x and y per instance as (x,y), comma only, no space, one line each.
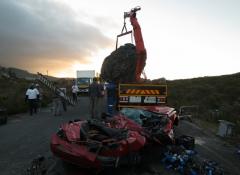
(84,79)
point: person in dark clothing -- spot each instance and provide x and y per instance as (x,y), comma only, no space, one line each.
(62,94)
(94,95)
(57,105)
(111,98)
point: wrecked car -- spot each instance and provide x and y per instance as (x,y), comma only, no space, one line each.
(156,123)
(104,143)
(93,144)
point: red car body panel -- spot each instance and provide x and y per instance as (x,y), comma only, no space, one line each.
(73,150)
(73,153)
(121,121)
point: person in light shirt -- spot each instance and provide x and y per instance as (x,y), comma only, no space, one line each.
(74,91)
(32,97)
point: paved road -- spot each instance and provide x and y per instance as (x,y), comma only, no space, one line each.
(25,137)
(211,147)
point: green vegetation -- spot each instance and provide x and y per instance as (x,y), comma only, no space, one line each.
(12,94)
(216,97)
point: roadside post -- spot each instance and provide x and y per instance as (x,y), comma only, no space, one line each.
(225,128)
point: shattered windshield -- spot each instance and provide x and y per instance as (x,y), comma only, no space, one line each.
(134,114)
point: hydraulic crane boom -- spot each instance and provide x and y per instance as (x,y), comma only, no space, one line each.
(140,48)
(138,93)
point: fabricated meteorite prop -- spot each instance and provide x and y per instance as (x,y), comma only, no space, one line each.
(120,65)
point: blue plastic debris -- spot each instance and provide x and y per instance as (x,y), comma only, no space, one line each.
(177,159)
(211,168)
(183,161)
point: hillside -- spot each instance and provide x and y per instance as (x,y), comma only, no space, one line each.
(13,85)
(17,73)
(12,72)
(217,97)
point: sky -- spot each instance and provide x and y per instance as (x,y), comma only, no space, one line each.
(183,38)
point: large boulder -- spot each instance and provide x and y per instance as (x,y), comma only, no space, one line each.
(120,65)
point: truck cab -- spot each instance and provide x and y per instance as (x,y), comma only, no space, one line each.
(84,79)
(83,84)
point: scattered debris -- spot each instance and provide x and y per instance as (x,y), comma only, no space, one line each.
(210,167)
(37,167)
(179,159)
(186,141)
(184,161)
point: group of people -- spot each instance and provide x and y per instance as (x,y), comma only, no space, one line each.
(34,99)
(96,92)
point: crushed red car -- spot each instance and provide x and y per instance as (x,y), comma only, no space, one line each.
(93,144)
(98,144)
(156,123)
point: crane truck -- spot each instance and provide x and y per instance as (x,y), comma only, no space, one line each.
(139,93)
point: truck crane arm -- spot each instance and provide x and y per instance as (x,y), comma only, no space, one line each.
(140,48)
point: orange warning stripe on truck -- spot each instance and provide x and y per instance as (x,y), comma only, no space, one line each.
(142,90)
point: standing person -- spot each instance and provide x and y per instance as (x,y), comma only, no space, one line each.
(39,102)
(62,94)
(102,99)
(57,104)
(32,96)
(111,98)
(94,94)
(74,91)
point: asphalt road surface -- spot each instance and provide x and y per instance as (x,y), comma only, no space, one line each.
(211,147)
(25,137)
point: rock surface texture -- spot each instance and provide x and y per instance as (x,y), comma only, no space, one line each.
(120,65)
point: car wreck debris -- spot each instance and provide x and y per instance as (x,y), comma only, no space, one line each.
(37,167)
(183,160)
(187,141)
(93,144)
(179,159)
